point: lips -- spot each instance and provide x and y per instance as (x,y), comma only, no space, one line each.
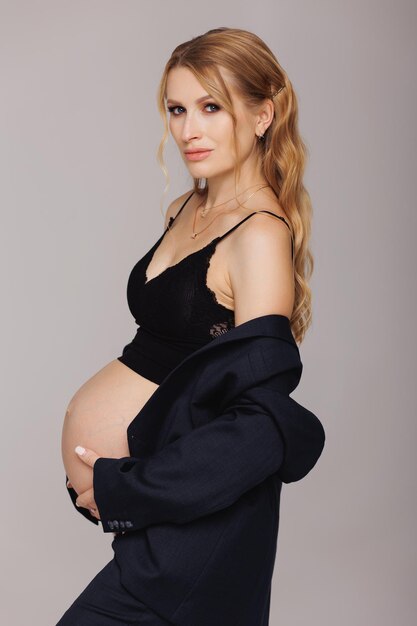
(197,150)
(197,155)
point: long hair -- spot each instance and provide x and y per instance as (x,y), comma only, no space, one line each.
(256,75)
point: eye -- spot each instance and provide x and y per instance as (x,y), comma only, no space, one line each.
(171,109)
(211,104)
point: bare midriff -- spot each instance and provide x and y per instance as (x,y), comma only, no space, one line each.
(98,415)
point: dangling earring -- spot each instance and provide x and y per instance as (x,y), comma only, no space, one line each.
(261,137)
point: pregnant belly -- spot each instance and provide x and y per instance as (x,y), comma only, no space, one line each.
(98,416)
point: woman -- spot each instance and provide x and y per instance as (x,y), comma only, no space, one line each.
(233,115)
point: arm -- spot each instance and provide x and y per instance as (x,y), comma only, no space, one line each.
(212,466)
(261,432)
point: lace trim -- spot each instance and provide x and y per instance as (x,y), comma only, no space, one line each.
(221,327)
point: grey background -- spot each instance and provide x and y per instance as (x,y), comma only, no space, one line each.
(82,200)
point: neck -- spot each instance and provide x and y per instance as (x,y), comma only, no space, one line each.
(221,188)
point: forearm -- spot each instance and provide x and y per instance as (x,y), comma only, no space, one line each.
(199,474)
(209,468)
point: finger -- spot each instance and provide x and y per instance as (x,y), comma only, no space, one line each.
(94,512)
(86,499)
(86,455)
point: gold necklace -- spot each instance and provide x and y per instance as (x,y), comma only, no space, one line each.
(194,235)
(204,212)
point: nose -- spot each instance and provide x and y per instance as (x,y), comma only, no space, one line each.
(190,129)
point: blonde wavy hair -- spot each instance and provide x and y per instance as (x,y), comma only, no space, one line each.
(256,75)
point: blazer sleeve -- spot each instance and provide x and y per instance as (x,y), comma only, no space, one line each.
(261,433)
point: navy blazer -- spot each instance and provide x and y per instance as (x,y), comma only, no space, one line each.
(197,502)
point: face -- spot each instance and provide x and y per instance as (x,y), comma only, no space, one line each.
(196,121)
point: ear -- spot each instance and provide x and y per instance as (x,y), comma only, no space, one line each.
(264,116)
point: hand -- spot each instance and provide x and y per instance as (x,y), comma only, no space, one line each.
(86,499)
(83,495)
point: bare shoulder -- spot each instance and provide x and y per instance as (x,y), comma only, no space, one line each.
(175,205)
(260,267)
(263,229)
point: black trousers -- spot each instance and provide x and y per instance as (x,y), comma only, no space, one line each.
(105,602)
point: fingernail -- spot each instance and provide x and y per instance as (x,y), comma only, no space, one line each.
(79,450)
(76,503)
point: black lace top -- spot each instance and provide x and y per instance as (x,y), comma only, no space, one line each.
(176,311)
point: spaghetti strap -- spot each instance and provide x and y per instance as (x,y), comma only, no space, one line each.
(261,211)
(171,219)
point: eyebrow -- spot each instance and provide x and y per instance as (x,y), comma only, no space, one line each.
(206,97)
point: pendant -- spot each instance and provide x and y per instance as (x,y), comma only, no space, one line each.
(194,235)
